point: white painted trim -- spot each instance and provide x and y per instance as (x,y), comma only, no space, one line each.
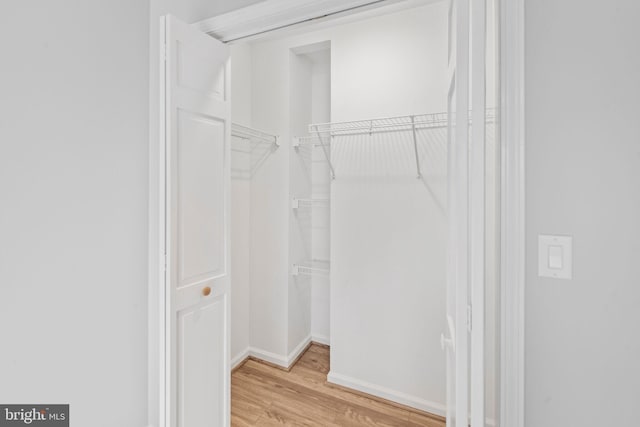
(296,352)
(477,213)
(274,14)
(387,393)
(278,359)
(240,358)
(156,355)
(459,214)
(321,339)
(512,351)
(267,356)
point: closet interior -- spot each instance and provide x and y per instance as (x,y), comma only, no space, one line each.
(338,200)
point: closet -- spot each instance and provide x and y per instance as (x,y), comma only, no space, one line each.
(338,234)
(338,222)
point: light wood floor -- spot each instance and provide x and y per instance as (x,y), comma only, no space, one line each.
(262,395)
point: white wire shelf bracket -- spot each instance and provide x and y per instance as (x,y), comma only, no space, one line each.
(307,270)
(252,134)
(326,155)
(309,203)
(316,140)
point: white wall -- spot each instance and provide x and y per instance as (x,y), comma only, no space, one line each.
(300,186)
(73,216)
(197,10)
(389,229)
(321,189)
(240,203)
(310,90)
(583,177)
(270,207)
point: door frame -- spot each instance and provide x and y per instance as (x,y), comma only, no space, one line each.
(512,221)
(512,188)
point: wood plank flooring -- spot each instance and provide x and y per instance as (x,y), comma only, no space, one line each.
(262,395)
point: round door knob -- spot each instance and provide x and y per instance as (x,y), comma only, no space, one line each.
(206,291)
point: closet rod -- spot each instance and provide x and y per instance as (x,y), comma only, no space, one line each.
(246,132)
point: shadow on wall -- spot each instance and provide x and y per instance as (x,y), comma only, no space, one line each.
(391,156)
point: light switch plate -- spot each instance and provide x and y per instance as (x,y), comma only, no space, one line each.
(555,256)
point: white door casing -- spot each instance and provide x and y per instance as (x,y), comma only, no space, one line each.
(466,251)
(477,213)
(197,162)
(512,231)
(457,344)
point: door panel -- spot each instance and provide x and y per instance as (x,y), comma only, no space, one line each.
(201,375)
(195,63)
(200,189)
(197,133)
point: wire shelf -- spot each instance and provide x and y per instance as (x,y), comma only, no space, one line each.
(387,124)
(411,125)
(309,203)
(246,132)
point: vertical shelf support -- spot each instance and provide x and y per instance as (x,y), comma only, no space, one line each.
(415,146)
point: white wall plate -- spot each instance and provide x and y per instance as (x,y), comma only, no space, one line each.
(555,256)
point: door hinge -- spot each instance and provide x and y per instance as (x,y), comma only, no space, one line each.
(469,313)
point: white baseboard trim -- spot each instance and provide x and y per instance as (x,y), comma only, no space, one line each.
(320,339)
(296,352)
(388,394)
(268,356)
(278,359)
(240,358)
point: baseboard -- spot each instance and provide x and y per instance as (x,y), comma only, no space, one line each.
(239,359)
(434,408)
(277,360)
(320,339)
(297,352)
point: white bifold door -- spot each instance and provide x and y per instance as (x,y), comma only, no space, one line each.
(463,341)
(197,158)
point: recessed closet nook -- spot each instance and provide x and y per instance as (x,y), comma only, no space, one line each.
(339,201)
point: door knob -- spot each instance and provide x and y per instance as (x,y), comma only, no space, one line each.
(206,291)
